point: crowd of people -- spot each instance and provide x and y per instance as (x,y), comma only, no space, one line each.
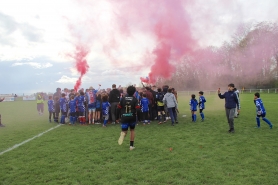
(96,106)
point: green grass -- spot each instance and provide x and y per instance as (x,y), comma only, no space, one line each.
(203,152)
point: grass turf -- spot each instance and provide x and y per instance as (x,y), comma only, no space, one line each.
(189,153)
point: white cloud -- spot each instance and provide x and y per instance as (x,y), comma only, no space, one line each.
(66,79)
(33,64)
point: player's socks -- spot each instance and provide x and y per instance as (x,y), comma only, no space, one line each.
(268,122)
(192,117)
(195,117)
(258,122)
(202,116)
(131,143)
(105,122)
(159,118)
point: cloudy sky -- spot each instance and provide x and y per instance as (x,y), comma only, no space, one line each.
(38,38)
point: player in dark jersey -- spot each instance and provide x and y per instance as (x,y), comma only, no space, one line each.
(128,107)
(1,125)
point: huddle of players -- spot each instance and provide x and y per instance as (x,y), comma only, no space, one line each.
(77,105)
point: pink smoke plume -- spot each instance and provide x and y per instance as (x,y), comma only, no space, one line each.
(167,22)
(80,63)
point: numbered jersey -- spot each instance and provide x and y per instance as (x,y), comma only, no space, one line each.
(128,106)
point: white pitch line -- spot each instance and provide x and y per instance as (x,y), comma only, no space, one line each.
(26,141)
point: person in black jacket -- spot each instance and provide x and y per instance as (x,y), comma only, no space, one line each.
(114,99)
(231,102)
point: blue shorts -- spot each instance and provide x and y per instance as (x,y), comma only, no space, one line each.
(262,115)
(92,107)
(126,125)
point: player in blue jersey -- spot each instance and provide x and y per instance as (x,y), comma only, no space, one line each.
(193,107)
(145,109)
(80,102)
(231,103)
(202,101)
(92,104)
(105,110)
(51,108)
(261,112)
(128,106)
(160,106)
(72,109)
(63,108)
(98,109)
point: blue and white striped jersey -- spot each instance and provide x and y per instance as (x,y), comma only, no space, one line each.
(50,104)
(63,104)
(259,106)
(144,104)
(105,108)
(72,105)
(202,101)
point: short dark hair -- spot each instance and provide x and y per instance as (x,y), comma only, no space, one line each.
(82,93)
(144,95)
(257,94)
(201,92)
(159,89)
(104,98)
(130,90)
(231,85)
(63,94)
(170,90)
(71,97)
(114,86)
(49,97)
(193,96)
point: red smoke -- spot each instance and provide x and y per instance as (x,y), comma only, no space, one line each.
(81,64)
(168,22)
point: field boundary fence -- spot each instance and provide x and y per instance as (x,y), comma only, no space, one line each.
(245,91)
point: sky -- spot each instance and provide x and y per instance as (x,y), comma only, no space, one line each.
(39,39)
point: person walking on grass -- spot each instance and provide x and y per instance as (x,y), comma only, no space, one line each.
(170,101)
(261,112)
(231,102)
(1,125)
(128,107)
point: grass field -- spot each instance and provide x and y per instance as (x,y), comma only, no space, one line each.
(202,152)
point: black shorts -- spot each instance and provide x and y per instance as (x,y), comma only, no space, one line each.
(81,113)
(201,110)
(145,116)
(73,114)
(160,108)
